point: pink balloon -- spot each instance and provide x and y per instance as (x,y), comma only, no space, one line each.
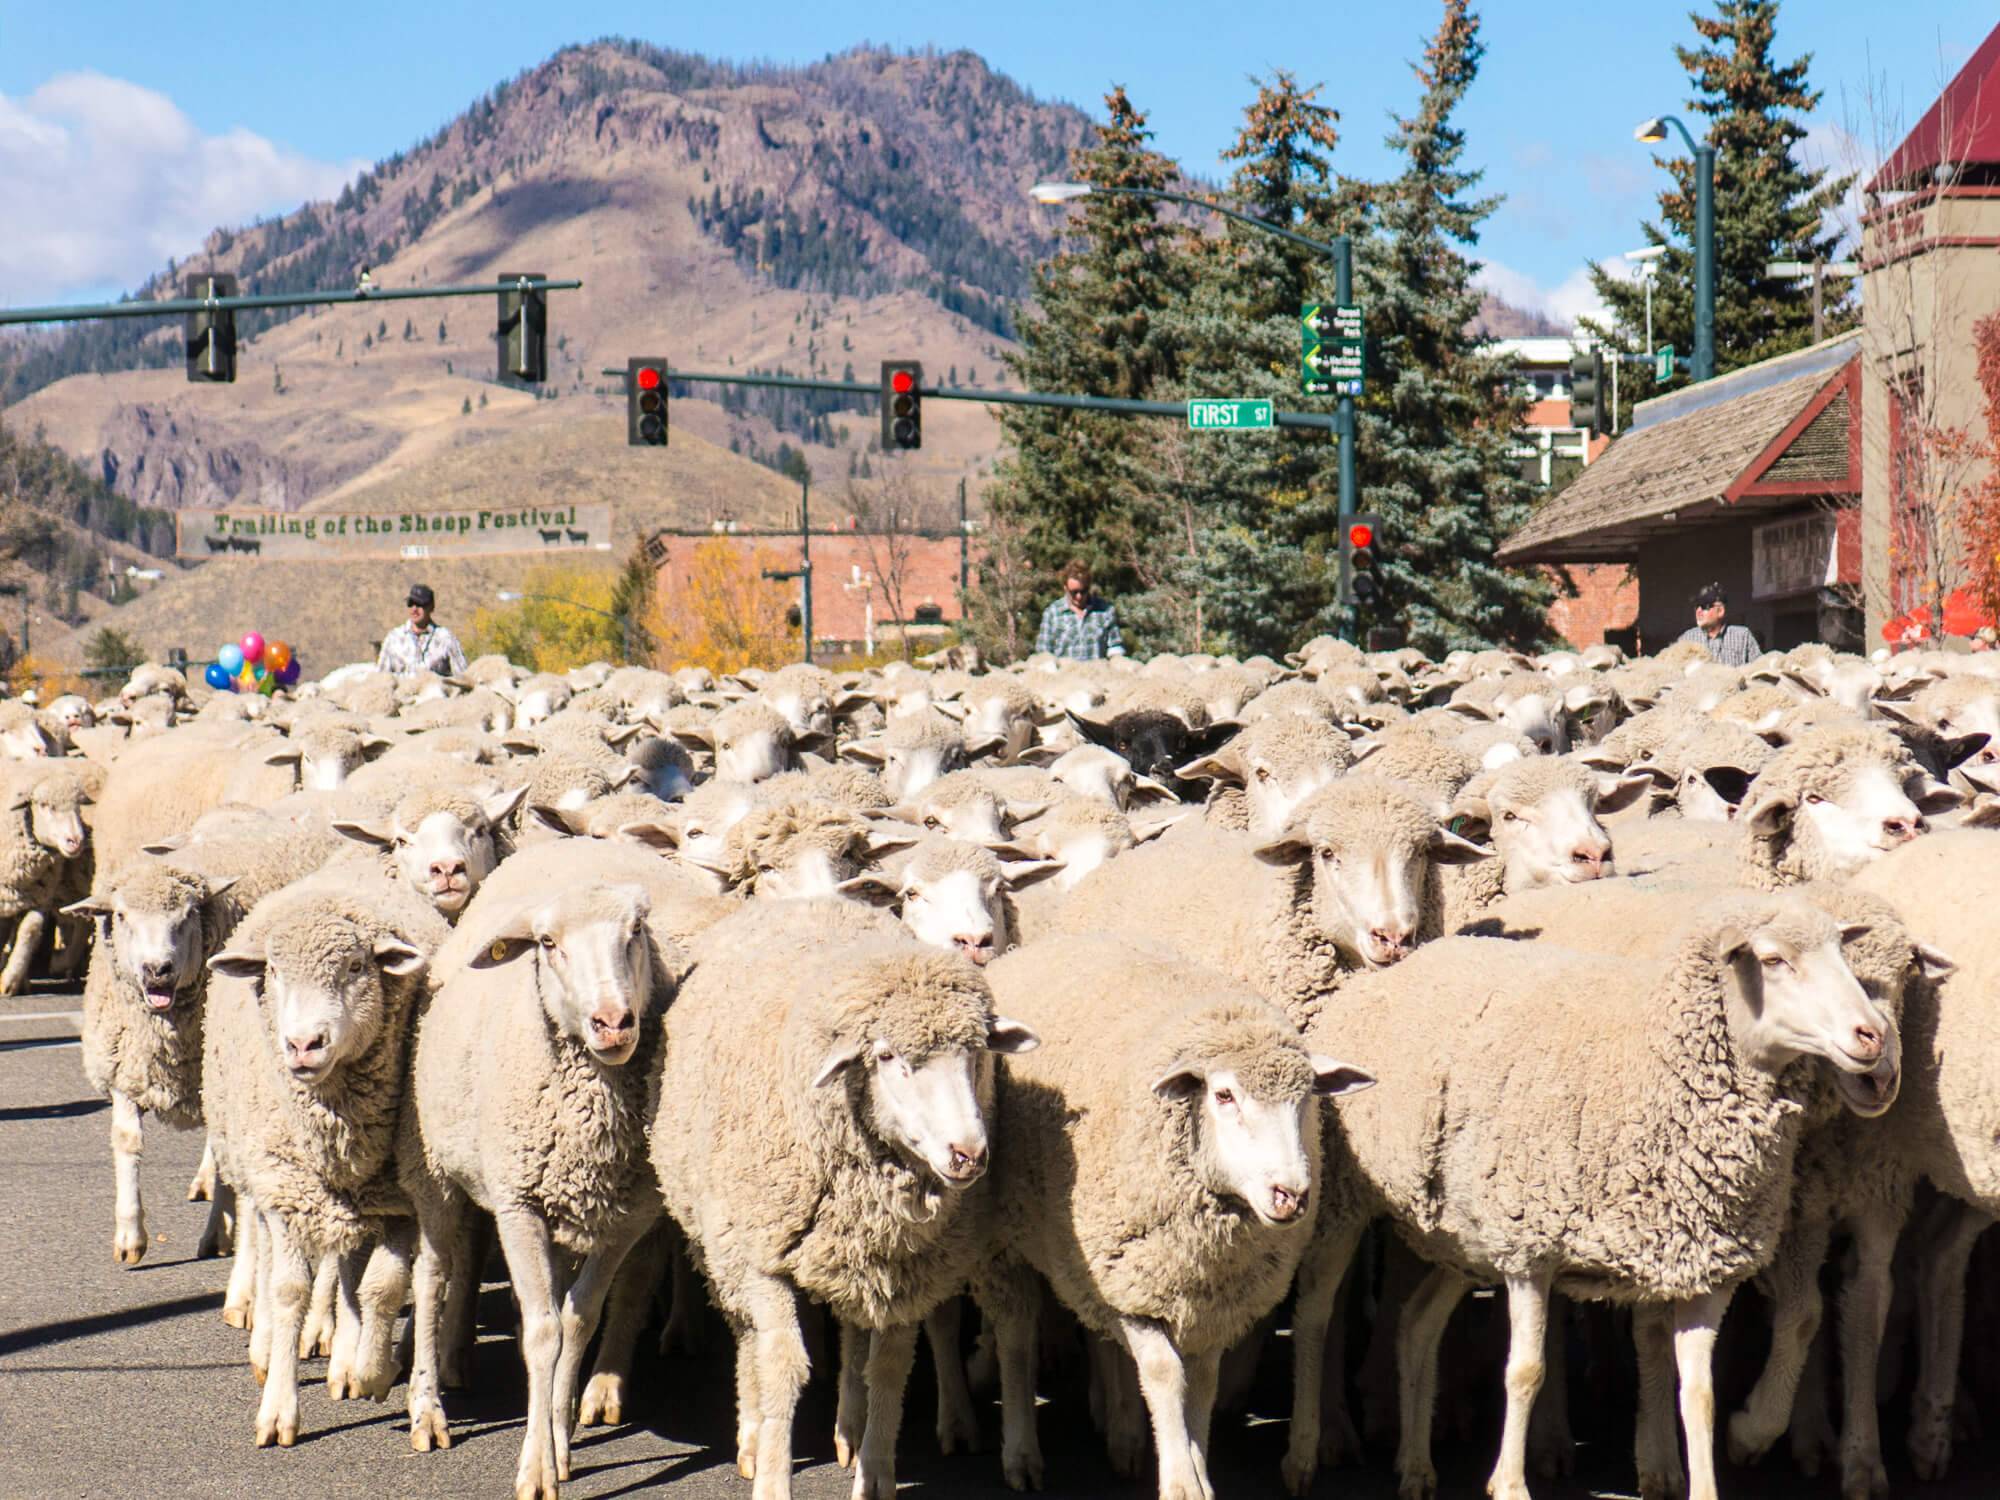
(253,646)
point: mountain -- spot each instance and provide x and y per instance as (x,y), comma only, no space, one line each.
(1500,319)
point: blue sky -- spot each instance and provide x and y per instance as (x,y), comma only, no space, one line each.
(124,135)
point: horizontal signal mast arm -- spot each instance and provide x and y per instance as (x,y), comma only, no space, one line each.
(177,306)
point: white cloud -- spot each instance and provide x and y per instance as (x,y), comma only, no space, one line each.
(1838,150)
(104,180)
(1568,301)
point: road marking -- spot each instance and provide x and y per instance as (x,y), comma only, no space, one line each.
(43,1015)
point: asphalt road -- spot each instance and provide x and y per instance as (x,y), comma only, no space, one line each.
(125,1382)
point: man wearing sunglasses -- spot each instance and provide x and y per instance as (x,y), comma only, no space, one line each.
(1079,625)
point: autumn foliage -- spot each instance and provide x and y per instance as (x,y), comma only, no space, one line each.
(719,611)
(1979,505)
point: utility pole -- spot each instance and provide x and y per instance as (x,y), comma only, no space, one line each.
(964,551)
(806,564)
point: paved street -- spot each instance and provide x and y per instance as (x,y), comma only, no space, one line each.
(117,1382)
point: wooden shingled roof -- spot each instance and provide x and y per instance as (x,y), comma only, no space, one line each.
(1778,442)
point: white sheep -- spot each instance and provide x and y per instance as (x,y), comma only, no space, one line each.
(1645,1159)
(817,1128)
(1541,816)
(439,842)
(42,835)
(1261,776)
(1158,1163)
(1832,801)
(952,895)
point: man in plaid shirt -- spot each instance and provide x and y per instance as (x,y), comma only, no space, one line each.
(1728,645)
(1079,625)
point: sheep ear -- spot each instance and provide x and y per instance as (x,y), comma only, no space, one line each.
(1180,1080)
(1097,732)
(1332,1079)
(1930,963)
(1010,1036)
(1477,711)
(1952,753)
(620,737)
(1890,711)
(951,708)
(1730,783)
(1288,848)
(1024,872)
(1769,814)
(398,958)
(1221,765)
(1933,797)
(1022,812)
(1146,789)
(699,735)
(364,833)
(1983,813)
(652,835)
(875,888)
(869,751)
(1731,941)
(984,745)
(21,799)
(1470,813)
(1039,755)
(625,776)
(89,907)
(217,887)
(843,1056)
(501,805)
(1448,848)
(236,965)
(555,819)
(1623,792)
(373,745)
(514,938)
(1145,833)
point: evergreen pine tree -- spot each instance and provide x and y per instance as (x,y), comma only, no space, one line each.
(1767,206)
(1437,418)
(1064,483)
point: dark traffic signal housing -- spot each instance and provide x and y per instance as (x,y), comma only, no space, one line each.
(211,335)
(1587,407)
(1360,579)
(646,402)
(522,339)
(902,404)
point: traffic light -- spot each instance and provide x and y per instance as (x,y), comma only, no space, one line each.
(1360,580)
(646,402)
(1586,392)
(211,336)
(902,405)
(522,339)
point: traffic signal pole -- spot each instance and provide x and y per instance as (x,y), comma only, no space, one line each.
(178,306)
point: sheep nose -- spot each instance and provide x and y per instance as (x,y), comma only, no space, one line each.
(1389,943)
(1902,830)
(612,1023)
(1866,1044)
(967,1162)
(303,1051)
(1288,1203)
(978,949)
(445,869)
(1590,858)
(152,975)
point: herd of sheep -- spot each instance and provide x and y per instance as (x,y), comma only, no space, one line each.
(904,993)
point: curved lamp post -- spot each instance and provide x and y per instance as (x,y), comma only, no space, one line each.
(1653,132)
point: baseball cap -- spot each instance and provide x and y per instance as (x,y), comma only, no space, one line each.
(421,595)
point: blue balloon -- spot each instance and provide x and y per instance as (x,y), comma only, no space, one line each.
(215,677)
(230,658)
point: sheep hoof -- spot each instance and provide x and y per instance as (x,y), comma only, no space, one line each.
(236,1315)
(1298,1470)
(1023,1471)
(214,1244)
(1668,1486)
(129,1249)
(1128,1453)
(843,1449)
(282,1430)
(259,1372)
(202,1188)
(957,1431)
(1420,1484)
(1930,1447)
(1864,1479)
(428,1430)
(603,1403)
(1745,1445)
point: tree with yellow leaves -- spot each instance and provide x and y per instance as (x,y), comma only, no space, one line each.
(563,619)
(720,612)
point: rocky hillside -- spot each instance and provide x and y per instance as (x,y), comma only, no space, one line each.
(813,220)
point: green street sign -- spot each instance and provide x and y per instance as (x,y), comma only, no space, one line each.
(1332,351)
(1663,363)
(1228,416)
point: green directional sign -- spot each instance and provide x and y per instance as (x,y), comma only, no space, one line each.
(1332,350)
(1228,416)
(1663,363)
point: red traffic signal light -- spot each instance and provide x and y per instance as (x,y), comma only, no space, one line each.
(646,402)
(902,382)
(648,378)
(902,405)
(1360,534)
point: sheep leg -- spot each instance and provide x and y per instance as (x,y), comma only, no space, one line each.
(603,1401)
(582,1307)
(1940,1335)
(1551,1447)
(1204,1377)
(74,944)
(1793,1280)
(469,1242)
(128,1144)
(1696,1322)
(851,1411)
(385,1281)
(1864,1308)
(291,1285)
(748,1420)
(218,1235)
(682,1333)
(957,1422)
(1419,1331)
(201,1186)
(1010,1299)
(346,1320)
(1316,1343)
(440,1242)
(27,939)
(263,1321)
(531,1266)
(239,1302)
(1124,1411)
(1164,1385)
(1527,1336)
(316,1336)
(1656,1445)
(782,1366)
(891,1352)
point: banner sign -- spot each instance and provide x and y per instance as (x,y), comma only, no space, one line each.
(1791,557)
(294,535)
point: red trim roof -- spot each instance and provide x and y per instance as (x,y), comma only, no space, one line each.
(1962,127)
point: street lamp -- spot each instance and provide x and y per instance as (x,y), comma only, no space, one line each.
(1648,261)
(1653,132)
(1340,250)
(629,625)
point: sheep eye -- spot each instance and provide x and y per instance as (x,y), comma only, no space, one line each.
(1772,961)
(933,823)
(1224,1097)
(1944,723)
(1814,799)
(1263,773)
(547,941)
(1507,817)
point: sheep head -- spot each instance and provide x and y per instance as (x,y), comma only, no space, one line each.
(443,841)
(1852,796)
(951,895)
(592,958)
(54,807)
(151,923)
(1541,817)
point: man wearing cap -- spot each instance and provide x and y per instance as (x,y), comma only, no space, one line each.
(421,644)
(1728,645)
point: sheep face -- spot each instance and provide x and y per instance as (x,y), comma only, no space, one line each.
(443,852)
(325,761)
(931,1108)
(1370,849)
(1543,822)
(1791,994)
(323,984)
(1153,741)
(807,710)
(1249,1138)
(977,817)
(1105,776)
(55,819)
(954,902)
(152,925)
(750,748)
(593,963)
(1711,794)
(1857,818)
(24,739)
(72,712)
(538,700)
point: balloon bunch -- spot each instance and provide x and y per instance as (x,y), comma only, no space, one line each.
(252,665)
